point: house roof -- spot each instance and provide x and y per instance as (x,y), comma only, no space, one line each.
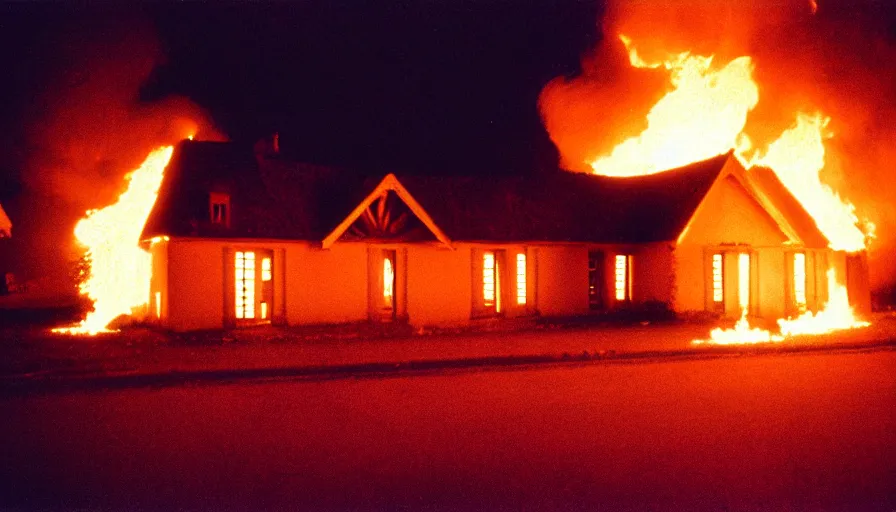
(566,206)
(269,198)
(798,217)
(280,199)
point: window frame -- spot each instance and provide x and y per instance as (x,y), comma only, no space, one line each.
(626,280)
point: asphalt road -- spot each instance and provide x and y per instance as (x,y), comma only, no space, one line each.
(778,432)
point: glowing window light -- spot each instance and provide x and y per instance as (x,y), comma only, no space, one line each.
(245,284)
(743,280)
(520,278)
(266,269)
(799,279)
(388,282)
(158,297)
(264,310)
(488,278)
(622,277)
(718,290)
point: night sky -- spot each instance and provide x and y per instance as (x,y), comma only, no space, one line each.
(435,86)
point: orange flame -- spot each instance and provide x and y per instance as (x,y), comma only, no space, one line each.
(701,117)
(120,270)
(837,315)
(704,115)
(797,157)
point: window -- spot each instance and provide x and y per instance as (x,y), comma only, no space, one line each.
(520,279)
(245,284)
(799,280)
(219,205)
(158,297)
(491,281)
(595,279)
(266,269)
(743,280)
(389,279)
(718,282)
(623,282)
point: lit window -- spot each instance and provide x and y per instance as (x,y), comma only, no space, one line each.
(158,296)
(264,310)
(245,284)
(743,280)
(388,282)
(520,278)
(266,269)
(488,278)
(623,277)
(799,279)
(718,283)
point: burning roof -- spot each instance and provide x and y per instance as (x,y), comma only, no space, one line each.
(278,199)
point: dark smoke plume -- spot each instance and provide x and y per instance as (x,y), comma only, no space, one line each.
(84,129)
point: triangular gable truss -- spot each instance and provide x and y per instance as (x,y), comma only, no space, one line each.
(733,168)
(389,183)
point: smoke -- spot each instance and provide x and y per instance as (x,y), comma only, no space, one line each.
(84,130)
(838,61)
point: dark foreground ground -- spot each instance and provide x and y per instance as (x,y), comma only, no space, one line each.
(784,431)
(32,359)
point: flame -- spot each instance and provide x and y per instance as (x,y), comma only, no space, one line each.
(740,334)
(120,270)
(797,157)
(704,115)
(837,315)
(701,117)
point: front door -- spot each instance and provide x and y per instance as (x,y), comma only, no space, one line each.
(253,287)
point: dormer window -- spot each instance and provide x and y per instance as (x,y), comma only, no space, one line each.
(219,208)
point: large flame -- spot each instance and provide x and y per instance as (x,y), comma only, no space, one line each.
(704,115)
(837,315)
(120,270)
(797,157)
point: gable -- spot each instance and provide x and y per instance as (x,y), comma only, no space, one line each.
(729,214)
(388,218)
(373,217)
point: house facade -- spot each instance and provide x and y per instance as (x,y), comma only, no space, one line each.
(239,239)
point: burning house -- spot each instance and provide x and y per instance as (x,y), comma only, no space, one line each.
(241,239)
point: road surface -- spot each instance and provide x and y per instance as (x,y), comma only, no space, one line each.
(777,432)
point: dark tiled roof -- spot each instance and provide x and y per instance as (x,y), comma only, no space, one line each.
(796,215)
(566,206)
(271,199)
(280,199)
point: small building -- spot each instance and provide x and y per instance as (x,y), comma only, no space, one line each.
(241,239)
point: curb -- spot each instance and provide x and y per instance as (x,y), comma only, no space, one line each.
(44,383)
